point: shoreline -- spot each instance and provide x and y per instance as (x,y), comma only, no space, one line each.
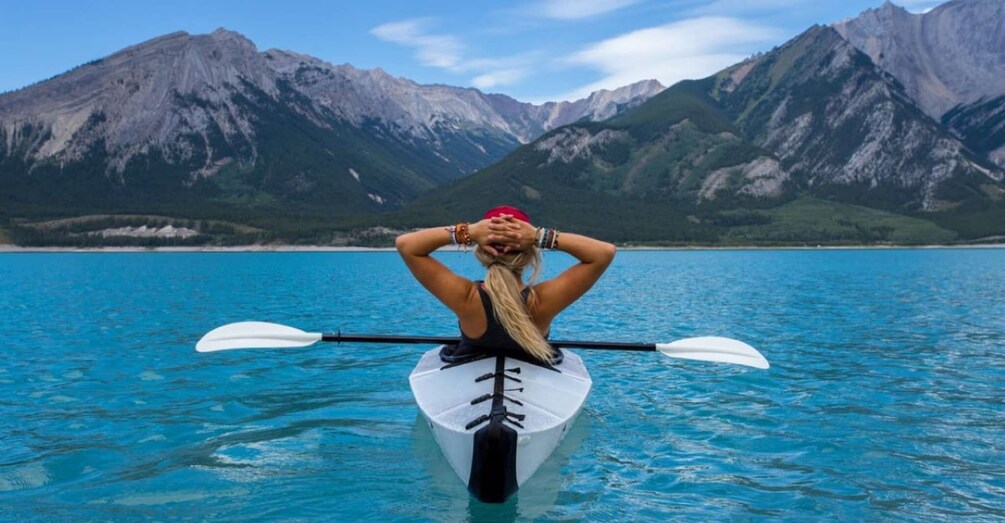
(6,248)
(15,249)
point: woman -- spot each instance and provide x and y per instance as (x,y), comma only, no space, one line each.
(503,311)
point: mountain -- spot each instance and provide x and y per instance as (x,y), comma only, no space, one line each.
(981,125)
(199,121)
(814,118)
(949,59)
(530,121)
(815,141)
(423,112)
(945,57)
(843,128)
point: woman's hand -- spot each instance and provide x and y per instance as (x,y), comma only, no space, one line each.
(502,234)
(481,234)
(521,234)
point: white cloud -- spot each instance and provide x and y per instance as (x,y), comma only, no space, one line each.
(498,78)
(576,9)
(447,52)
(442,51)
(737,7)
(919,6)
(692,48)
(508,70)
(669,53)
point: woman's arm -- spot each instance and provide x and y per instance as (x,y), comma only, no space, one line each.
(554,295)
(415,249)
(558,293)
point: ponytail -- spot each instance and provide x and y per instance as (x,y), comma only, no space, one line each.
(502,284)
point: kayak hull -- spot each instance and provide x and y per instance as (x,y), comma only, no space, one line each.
(498,418)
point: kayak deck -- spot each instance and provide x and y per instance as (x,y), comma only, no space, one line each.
(498,418)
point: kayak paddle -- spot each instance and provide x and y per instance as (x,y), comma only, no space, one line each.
(261,335)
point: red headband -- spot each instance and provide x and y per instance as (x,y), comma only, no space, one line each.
(506,209)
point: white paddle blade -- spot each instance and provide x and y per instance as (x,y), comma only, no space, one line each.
(255,335)
(714,348)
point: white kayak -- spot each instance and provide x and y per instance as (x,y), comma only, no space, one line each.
(498,418)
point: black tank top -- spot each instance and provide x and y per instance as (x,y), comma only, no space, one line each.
(495,336)
(494,339)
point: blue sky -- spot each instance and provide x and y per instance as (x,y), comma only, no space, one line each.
(532,50)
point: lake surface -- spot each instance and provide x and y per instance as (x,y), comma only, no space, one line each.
(885,398)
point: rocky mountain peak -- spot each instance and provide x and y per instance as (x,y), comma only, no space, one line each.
(222,33)
(951,55)
(866,138)
(600,105)
(891,7)
(642,88)
(197,104)
(140,97)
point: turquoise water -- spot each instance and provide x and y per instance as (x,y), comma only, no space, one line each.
(885,399)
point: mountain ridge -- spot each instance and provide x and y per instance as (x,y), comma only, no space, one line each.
(813,118)
(814,141)
(945,57)
(196,106)
(949,60)
(901,146)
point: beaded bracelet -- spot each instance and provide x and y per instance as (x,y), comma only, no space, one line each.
(463,237)
(546,238)
(459,234)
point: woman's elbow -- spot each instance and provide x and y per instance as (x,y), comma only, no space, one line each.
(402,243)
(607,252)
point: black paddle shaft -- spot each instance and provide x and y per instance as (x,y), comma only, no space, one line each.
(441,340)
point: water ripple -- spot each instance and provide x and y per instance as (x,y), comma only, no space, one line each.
(883,401)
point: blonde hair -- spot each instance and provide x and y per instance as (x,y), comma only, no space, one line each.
(502,283)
